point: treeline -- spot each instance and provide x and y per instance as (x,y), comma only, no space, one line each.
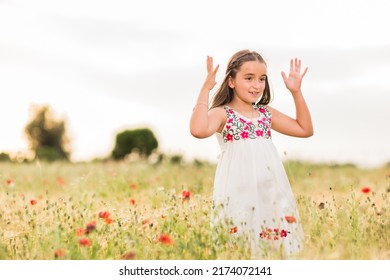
(48,140)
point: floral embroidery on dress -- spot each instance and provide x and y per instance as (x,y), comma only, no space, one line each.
(238,128)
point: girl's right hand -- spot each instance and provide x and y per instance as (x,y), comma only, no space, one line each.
(211,73)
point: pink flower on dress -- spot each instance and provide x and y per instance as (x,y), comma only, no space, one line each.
(229,137)
(259,133)
(230,120)
(228,127)
(246,127)
(242,120)
(262,110)
(244,135)
(269,133)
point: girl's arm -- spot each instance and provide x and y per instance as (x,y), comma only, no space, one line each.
(302,125)
(205,123)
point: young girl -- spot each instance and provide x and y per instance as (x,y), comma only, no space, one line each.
(251,188)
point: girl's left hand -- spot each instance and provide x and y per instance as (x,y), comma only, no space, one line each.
(294,80)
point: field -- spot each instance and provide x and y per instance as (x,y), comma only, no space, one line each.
(135,210)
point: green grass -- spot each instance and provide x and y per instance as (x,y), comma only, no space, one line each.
(145,202)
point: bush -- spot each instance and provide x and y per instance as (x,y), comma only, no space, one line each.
(141,141)
(4,157)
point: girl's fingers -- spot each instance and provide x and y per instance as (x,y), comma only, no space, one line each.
(284,77)
(304,72)
(216,69)
(295,66)
(298,65)
(209,64)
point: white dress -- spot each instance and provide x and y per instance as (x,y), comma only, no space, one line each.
(252,193)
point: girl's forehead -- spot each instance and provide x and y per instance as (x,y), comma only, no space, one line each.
(253,67)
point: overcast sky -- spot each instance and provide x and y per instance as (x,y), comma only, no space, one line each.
(105,66)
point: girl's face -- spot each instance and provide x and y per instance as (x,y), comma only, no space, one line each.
(249,83)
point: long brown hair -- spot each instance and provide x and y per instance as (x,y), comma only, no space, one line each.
(224,93)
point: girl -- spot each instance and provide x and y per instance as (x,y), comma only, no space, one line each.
(251,189)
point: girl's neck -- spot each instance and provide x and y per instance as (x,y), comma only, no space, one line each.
(245,109)
(241,106)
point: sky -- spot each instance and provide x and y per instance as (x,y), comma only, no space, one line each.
(107,66)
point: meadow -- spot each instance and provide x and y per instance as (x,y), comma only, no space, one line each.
(137,210)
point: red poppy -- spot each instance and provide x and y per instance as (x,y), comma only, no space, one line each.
(366,190)
(79,231)
(104,214)
(90,227)
(129,256)
(132,201)
(133,186)
(60,181)
(290,219)
(233,230)
(33,202)
(274,234)
(10,182)
(59,253)
(186,195)
(85,242)
(165,239)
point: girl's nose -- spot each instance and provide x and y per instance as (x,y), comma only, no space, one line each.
(256,84)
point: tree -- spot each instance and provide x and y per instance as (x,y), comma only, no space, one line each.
(141,141)
(47,136)
(4,157)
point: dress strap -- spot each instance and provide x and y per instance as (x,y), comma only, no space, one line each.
(229,111)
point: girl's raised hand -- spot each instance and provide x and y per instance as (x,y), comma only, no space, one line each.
(211,73)
(294,80)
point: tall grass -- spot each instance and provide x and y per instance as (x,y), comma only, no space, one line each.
(134,210)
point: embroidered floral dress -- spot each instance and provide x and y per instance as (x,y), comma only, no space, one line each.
(251,189)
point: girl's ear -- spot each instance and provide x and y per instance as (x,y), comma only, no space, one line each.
(231,82)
